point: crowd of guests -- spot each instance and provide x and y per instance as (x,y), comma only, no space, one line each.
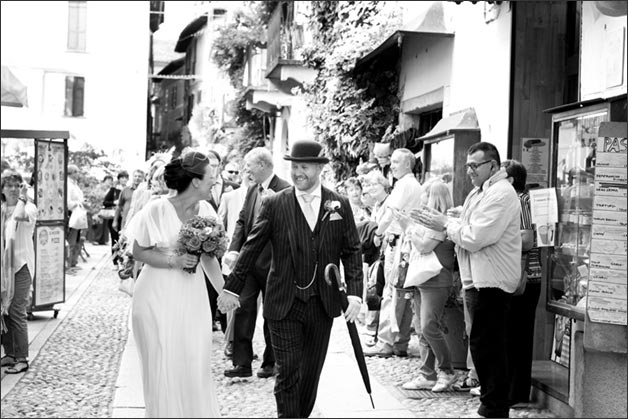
(482,246)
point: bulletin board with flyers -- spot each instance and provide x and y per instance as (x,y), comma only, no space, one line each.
(49,194)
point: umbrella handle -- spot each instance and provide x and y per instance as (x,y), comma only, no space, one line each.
(332,273)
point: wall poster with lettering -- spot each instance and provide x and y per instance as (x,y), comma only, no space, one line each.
(606,292)
(49,287)
(535,156)
(51,177)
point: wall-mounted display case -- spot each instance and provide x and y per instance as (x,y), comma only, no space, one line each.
(574,134)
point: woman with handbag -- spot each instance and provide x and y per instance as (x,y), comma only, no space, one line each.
(525,299)
(435,367)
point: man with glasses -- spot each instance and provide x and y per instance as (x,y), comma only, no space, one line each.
(488,246)
(231,172)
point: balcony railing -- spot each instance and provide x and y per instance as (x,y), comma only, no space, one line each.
(285,36)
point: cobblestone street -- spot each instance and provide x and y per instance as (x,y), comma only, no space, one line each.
(74,373)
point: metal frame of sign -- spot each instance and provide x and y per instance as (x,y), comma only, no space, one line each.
(54,218)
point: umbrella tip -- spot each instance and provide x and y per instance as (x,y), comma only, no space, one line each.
(372,404)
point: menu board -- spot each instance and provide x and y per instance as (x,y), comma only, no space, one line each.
(535,156)
(49,267)
(606,292)
(50,185)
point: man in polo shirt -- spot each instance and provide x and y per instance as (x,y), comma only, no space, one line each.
(396,308)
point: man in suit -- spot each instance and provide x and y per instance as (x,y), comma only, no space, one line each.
(218,189)
(308,227)
(259,167)
(221,185)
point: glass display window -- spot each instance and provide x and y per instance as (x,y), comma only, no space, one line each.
(574,136)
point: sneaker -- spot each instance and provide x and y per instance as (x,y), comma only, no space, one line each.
(382,351)
(370,341)
(475,391)
(444,382)
(419,383)
(466,384)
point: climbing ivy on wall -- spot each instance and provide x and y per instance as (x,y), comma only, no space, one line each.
(348,111)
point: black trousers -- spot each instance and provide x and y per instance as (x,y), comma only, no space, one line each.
(300,342)
(244,324)
(115,236)
(521,343)
(489,350)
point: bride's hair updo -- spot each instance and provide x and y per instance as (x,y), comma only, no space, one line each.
(179,172)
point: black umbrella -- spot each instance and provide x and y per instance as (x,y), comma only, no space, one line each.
(353,331)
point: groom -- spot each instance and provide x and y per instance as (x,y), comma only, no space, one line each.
(308,226)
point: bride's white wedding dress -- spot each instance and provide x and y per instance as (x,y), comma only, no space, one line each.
(172,322)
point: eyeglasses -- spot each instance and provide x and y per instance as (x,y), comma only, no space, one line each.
(474,166)
(233,172)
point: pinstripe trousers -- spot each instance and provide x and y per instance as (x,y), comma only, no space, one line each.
(300,343)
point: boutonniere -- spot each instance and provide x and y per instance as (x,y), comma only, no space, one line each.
(331,207)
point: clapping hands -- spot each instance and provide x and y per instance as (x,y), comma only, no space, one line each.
(429,218)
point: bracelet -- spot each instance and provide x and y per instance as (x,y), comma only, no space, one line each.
(170,265)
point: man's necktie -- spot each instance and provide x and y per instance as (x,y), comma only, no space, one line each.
(258,200)
(308,211)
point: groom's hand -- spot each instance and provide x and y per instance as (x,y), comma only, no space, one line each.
(227,301)
(353,309)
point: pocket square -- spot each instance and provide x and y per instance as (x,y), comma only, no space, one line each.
(334,217)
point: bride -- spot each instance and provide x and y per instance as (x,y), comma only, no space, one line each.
(171,317)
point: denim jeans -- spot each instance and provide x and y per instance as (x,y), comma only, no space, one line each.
(15,339)
(470,302)
(397,309)
(429,305)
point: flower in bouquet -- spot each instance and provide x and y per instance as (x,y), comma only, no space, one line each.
(202,235)
(124,256)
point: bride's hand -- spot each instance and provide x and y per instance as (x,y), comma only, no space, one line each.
(227,302)
(185,260)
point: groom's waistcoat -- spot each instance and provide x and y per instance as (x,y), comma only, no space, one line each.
(308,249)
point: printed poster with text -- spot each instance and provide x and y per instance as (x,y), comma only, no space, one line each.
(606,293)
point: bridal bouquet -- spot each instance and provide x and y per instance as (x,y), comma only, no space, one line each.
(202,235)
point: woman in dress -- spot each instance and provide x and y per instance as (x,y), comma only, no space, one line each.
(171,316)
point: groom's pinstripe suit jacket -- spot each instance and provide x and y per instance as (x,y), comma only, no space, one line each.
(292,251)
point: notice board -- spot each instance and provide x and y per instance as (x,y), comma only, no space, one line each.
(606,291)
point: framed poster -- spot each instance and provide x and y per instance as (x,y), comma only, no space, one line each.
(49,279)
(50,167)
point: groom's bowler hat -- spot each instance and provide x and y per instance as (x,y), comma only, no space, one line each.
(307,151)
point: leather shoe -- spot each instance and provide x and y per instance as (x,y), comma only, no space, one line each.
(266,371)
(229,350)
(400,353)
(239,371)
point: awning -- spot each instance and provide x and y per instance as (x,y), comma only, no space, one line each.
(13,90)
(188,33)
(430,23)
(465,120)
(170,68)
